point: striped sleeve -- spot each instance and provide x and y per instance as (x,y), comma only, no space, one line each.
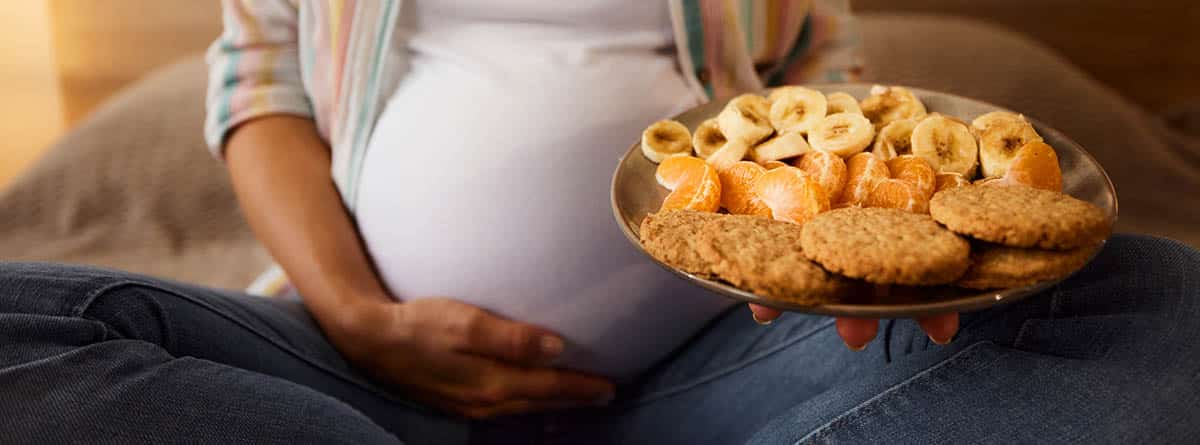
(827,49)
(254,67)
(731,46)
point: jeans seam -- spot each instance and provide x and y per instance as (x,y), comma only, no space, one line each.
(82,307)
(864,408)
(692,383)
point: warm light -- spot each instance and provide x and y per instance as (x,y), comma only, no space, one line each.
(30,108)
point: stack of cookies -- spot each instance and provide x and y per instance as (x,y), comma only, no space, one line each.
(1022,235)
(977,237)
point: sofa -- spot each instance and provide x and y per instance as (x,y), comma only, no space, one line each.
(132,187)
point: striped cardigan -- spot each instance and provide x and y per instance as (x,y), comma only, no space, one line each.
(331,60)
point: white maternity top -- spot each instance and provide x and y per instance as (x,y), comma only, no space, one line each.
(487,175)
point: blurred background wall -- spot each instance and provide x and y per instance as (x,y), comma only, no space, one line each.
(61,58)
(30,109)
(1147,49)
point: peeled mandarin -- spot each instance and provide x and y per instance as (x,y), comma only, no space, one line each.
(913,170)
(1035,165)
(694,184)
(790,195)
(735,186)
(827,168)
(863,172)
(898,194)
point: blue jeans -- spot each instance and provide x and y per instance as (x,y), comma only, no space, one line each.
(1109,356)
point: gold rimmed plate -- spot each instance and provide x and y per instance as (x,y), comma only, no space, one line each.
(636,193)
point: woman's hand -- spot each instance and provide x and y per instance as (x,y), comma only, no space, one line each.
(857,332)
(461,358)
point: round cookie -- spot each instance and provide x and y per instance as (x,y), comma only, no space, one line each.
(885,246)
(764,256)
(1020,216)
(671,238)
(996,267)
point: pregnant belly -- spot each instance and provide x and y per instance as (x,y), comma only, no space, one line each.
(499,197)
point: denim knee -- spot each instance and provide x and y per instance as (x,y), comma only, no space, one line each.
(1148,275)
(53,289)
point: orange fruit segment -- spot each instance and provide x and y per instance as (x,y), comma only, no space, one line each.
(945,181)
(898,194)
(694,184)
(790,195)
(674,171)
(735,187)
(827,168)
(914,170)
(771,165)
(863,172)
(1035,165)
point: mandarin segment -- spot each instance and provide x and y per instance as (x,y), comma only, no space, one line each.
(673,172)
(863,172)
(735,186)
(827,168)
(790,195)
(771,165)
(1035,165)
(913,170)
(694,184)
(898,194)
(945,181)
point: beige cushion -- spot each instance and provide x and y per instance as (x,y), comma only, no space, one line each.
(132,187)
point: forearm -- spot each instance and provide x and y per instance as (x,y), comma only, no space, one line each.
(280,171)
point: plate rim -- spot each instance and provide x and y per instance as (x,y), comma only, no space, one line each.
(979,301)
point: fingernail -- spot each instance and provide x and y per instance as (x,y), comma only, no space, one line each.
(858,348)
(759,320)
(551,346)
(942,342)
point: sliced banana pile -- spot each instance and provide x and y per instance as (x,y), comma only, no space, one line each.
(889,123)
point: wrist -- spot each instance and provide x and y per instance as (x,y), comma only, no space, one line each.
(345,315)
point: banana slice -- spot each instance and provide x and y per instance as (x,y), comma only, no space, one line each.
(947,144)
(664,139)
(840,102)
(843,134)
(984,121)
(1000,135)
(796,109)
(780,146)
(745,118)
(895,139)
(708,138)
(729,154)
(890,104)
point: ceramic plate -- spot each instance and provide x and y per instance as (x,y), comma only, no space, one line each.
(635,193)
